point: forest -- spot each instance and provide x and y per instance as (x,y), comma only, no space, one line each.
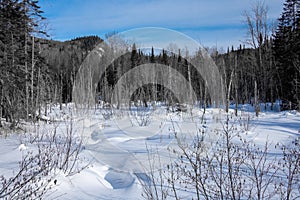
(36,71)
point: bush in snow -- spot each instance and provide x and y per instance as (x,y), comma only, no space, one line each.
(140,114)
(32,180)
(289,168)
(229,167)
(51,152)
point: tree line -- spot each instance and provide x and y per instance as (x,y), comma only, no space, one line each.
(35,71)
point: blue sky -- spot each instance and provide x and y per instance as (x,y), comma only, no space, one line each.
(210,22)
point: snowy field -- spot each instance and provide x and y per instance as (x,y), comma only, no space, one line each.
(118,156)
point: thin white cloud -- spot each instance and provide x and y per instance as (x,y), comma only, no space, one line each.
(98,17)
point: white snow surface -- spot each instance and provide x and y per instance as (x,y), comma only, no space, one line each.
(117,156)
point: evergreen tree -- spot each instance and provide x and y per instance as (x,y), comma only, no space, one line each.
(134,56)
(152,60)
(287,50)
(19,66)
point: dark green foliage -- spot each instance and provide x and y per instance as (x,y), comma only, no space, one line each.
(287,50)
(150,92)
(21,67)
(64,60)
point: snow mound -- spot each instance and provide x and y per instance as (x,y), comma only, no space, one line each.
(22,147)
(119,180)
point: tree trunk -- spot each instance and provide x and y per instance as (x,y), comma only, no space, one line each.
(60,91)
(26,79)
(229,91)
(236,86)
(32,70)
(38,96)
(1,102)
(204,103)
(256,104)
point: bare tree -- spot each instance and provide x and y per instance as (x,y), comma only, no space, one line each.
(258,34)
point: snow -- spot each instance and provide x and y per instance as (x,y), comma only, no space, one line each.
(118,151)
(119,180)
(22,147)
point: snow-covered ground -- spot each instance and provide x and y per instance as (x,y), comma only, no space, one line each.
(119,153)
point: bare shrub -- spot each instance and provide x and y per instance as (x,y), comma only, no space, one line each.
(32,180)
(106,111)
(141,114)
(261,172)
(54,152)
(245,120)
(289,165)
(67,147)
(230,167)
(154,183)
